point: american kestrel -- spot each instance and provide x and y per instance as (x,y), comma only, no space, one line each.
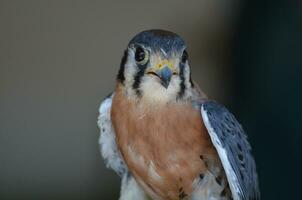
(164,137)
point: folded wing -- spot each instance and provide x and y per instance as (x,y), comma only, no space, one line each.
(233,149)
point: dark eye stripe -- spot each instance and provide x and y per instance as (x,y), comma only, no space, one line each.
(182,83)
(138,77)
(191,81)
(120,75)
(184,57)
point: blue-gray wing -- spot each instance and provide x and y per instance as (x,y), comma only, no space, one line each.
(233,149)
(108,147)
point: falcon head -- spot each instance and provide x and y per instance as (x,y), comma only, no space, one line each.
(155,67)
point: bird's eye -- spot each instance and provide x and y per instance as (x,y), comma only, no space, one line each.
(141,56)
(184,57)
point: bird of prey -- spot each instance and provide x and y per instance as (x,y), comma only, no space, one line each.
(164,137)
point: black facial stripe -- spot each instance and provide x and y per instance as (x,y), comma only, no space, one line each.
(182,83)
(120,75)
(191,81)
(138,77)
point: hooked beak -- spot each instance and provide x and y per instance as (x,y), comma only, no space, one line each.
(165,75)
(164,72)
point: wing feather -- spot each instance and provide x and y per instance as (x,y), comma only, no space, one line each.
(233,149)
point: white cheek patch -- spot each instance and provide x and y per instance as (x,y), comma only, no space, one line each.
(150,86)
(174,87)
(129,72)
(130,69)
(154,92)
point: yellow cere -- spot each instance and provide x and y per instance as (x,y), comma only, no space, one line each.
(165,62)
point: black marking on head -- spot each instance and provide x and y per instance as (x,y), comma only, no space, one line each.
(120,75)
(184,56)
(159,39)
(182,83)
(138,78)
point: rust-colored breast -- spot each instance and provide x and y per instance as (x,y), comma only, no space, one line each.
(162,146)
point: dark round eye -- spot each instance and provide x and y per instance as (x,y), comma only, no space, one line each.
(184,56)
(141,56)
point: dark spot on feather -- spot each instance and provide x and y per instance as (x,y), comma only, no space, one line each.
(103,129)
(201,176)
(241,174)
(128,175)
(215,129)
(226,118)
(180,189)
(191,81)
(109,95)
(223,192)
(240,156)
(206,164)
(201,157)
(182,195)
(239,147)
(219,179)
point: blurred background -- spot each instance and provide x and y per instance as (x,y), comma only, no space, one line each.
(59,59)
